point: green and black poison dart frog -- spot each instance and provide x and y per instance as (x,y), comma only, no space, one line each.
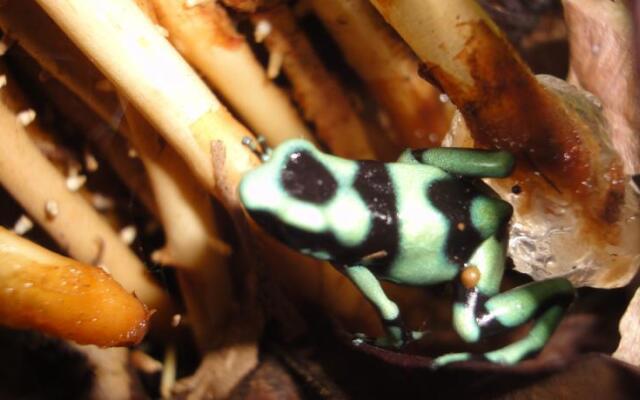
(423,220)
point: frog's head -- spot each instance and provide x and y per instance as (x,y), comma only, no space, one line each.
(285,194)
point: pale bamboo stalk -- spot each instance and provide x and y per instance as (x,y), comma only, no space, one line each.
(45,42)
(192,243)
(144,67)
(417,118)
(66,216)
(106,141)
(205,36)
(314,88)
(50,47)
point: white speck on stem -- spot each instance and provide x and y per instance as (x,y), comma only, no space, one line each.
(75,182)
(128,234)
(51,209)
(443,98)
(22,225)
(101,202)
(26,117)
(3,81)
(261,30)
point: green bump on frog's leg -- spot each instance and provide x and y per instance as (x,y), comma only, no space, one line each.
(518,305)
(464,161)
(370,287)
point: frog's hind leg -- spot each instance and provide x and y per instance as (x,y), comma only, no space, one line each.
(388,310)
(544,301)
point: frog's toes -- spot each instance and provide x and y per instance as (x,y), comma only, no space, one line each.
(450,358)
(417,335)
(361,338)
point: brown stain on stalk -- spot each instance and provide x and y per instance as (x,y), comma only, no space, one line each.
(507,108)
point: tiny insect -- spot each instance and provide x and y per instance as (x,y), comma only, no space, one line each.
(426,219)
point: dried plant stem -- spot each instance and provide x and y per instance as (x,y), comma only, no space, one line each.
(205,36)
(418,118)
(50,47)
(318,93)
(501,101)
(65,298)
(139,61)
(46,43)
(192,238)
(106,141)
(73,223)
(601,36)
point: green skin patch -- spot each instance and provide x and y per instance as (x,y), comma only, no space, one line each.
(417,222)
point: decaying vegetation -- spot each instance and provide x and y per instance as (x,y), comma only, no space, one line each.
(122,124)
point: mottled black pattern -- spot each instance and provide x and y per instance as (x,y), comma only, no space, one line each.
(374,185)
(453,198)
(306,179)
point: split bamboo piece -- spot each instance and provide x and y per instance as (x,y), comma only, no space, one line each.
(45,42)
(314,88)
(144,67)
(66,216)
(192,238)
(65,298)
(206,37)
(412,108)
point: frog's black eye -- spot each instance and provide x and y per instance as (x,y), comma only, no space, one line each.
(305,178)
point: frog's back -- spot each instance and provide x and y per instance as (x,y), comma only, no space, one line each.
(442,219)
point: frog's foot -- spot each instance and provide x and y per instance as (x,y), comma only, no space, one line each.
(451,358)
(259,147)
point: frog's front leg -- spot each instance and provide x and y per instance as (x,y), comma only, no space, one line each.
(388,310)
(479,311)
(463,161)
